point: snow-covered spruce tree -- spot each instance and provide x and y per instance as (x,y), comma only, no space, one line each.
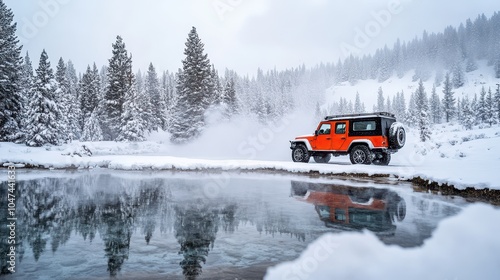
(435,106)
(497,102)
(411,116)
(92,129)
(133,126)
(489,109)
(10,68)
(74,127)
(380,100)
(358,106)
(43,124)
(468,115)
(230,100)
(448,99)
(193,90)
(481,106)
(458,76)
(63,100)
(422,112)
(120,78)
(89,93)
(497,68)
(471,65)
(400,106)
(153,90)
(26,83)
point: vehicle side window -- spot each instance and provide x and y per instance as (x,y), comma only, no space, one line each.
(364,126)
(325,129)
(340,128)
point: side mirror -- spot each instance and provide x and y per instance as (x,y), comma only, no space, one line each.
(315,133)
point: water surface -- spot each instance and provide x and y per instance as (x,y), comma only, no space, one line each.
(144,225)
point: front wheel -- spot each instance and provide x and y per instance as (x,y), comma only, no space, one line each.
(360,155)
(325,158)
(300,154)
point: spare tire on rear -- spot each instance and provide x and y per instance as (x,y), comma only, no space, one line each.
(397,136)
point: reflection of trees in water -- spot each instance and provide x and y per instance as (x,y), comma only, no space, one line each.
(51,209)
(117,218)
(195,227)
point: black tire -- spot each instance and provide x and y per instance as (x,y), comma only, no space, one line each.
(397,136)
(397,210)
(382,159)
(324,158)
(360,154)
(300,154)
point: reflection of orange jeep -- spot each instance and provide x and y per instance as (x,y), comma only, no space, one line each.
(353,208)
(367,138)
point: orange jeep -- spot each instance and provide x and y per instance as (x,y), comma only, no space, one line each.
(366,138)
(353,208)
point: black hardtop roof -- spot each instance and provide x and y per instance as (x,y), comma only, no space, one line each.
(357,116)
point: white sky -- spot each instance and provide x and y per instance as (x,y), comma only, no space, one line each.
(241,34)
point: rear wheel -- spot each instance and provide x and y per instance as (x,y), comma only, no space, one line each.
(324,158)
(300,154)
(360,155)
(382,159)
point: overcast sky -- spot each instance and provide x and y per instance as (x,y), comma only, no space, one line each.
(238,34)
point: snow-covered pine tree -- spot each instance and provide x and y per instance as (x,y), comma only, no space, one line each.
(26,83)
(10,67)
(474,104)
(153,90)
(133,126)
(448,99)
(422,112)
(92,129)
(400,106)
(193,92)
(63,100)
(468,116)
(388,106)
(216,93)
(497,102)
(458,76)
(489,109)
(497,67)
(481,106)
(89,93)
(230,100)
(74,127)
(471,64)
(435,106)
(43,124)
(120,78)
(458,112)
(168,95)
(412,114)
(380,100)
(358,106)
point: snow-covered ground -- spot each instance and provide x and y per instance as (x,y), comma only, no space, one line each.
(462,158)
(454,252)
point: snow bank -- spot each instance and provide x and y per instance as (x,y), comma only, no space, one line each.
(454,252)
(453,156)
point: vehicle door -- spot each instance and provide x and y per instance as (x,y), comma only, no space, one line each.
(324,137)
(339,135)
